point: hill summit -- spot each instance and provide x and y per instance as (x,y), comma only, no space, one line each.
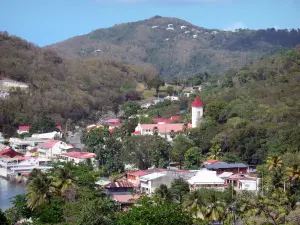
(178,48)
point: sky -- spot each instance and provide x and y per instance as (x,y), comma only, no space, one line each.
(45,22)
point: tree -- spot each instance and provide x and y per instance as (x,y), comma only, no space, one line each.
(274,162)
(39,190)
(214,109)
(128,126)
(163,194)
(161,214)
(146,120)
(192,158)
(130,109)
(195,203)
(172,134)
(42,125)
(179,188)
(170,90)
(105,212)
(20,207)
(95,137)
(215,151)
(155,83)
(181,144)
(3,219)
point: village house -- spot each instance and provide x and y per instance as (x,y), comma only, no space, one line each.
(23,129)
(206,179)
(222,167)
(78,157)
(6,83)
(21,145)
(52,148)
(242,182)
(149,182)
(125,200)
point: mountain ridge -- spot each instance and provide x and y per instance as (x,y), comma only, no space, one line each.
(178,48)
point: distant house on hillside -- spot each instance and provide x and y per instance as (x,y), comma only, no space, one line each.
(78,157)
(164,130)
(222,167)
(52,148)
(6,83)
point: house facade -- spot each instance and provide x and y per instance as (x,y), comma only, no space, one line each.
(78,157)
(222,167)
(52,148)
(206,179)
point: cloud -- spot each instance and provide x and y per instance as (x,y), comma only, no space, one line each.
(158,1)
(236,25)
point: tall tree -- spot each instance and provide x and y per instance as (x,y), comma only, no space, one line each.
(192,158)
(181,144)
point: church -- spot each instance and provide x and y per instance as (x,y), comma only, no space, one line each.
(166,129)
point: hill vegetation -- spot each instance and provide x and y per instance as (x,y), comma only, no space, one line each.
(59,88)
(178,48)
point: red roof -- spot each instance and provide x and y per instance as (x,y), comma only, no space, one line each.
(48,144)
(197,102)
(164,128)
(81,155)
(125,198)
(24,128)
(59,127)
(139,173)
(120,184)
(137,132)
(162,120)
(10,153)
(174,118)
(116,120)
(212,161)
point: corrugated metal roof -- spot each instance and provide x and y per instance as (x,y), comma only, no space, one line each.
(224,165)
(152,176)
(123,184)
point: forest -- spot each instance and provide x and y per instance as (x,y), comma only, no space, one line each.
(60,88)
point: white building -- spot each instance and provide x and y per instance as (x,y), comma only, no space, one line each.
(52,148)
(206,179)
(12,84)
(78,157)
(172,98)
(150,182)
(197,111)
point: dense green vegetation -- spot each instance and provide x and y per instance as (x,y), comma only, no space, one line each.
(67,195)
(61,89)
(254,112)
(176,53)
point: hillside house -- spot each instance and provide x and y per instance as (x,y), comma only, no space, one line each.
(222,167)
(23,129)
(52,148)
(206,179)
(78,157)
(6,83)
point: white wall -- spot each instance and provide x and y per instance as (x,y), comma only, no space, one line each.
(197,114)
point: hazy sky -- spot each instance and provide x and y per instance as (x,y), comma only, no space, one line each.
(48,21)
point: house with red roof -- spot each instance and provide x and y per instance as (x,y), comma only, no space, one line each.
(125,200)
(165,127)
(78,157)
(9,153)
(23,129)
(52,148)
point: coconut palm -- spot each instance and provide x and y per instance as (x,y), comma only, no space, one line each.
(274,162)
(39,190)
(195,203)
(62,180)
(215,210)
(293,172)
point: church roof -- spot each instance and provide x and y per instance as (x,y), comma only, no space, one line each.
(197,102)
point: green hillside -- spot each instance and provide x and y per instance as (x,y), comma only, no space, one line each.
(178,48)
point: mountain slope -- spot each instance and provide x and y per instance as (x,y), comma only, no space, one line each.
(58,88)
(176,47)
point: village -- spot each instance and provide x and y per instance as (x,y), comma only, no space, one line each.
(22,155)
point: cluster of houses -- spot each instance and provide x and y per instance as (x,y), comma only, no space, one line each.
(214,174)
(24,154)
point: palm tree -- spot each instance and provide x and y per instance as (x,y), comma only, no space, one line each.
(215,210)
(293,172)
(215,153)
(39,189)
(163,194)
(63,180)
(274,162)
(195,203)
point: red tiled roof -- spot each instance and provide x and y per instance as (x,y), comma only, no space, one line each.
(197,102)
(139,173)
(120,184)
(125,198)
(81,155)
(59,127)
(174,118)
(24,128)
(10,153)
(137,132)
(116,120)
(48,144)
(211,161)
